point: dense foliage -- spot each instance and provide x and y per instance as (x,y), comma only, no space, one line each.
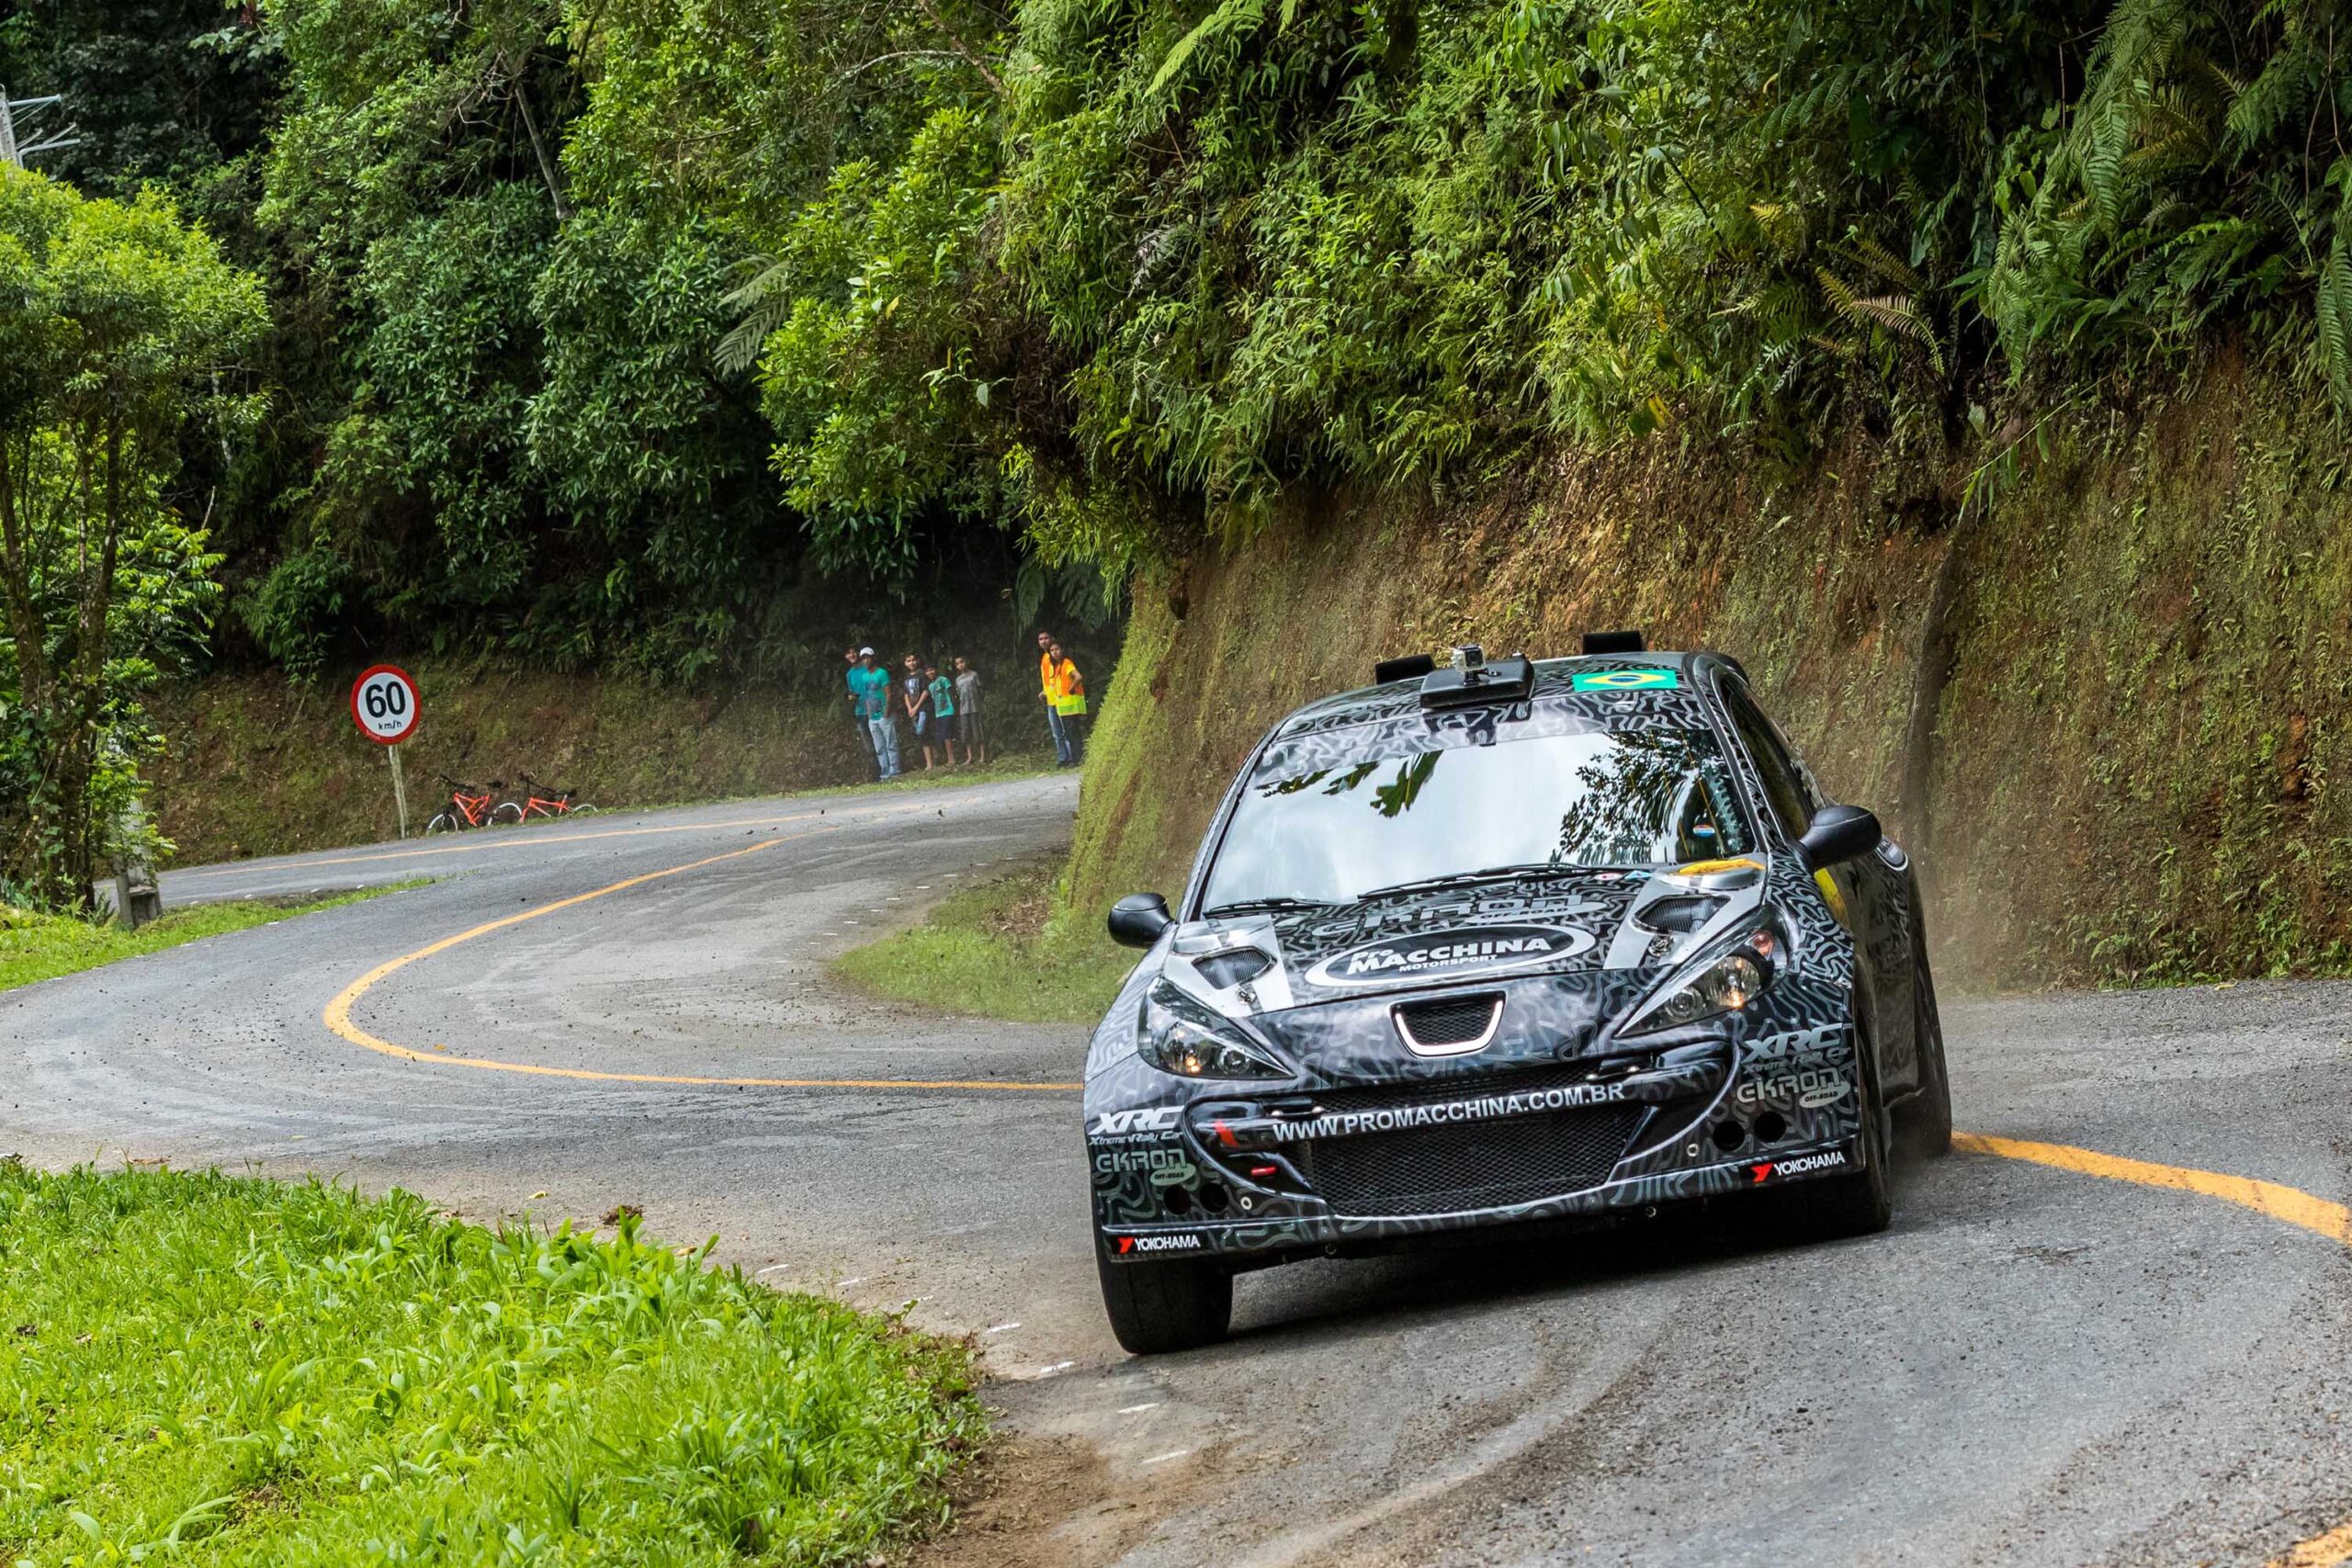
(117,322)
(647,334)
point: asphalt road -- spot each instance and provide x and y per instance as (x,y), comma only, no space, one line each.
(2035,1365)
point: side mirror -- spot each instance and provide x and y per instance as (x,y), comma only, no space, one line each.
(1839,834)
(1137,919)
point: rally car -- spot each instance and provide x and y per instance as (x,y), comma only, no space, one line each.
(1498,944)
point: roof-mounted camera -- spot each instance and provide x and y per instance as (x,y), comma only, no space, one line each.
(1471,678)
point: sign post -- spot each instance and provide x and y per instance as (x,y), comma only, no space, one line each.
(384,705)
(400,787)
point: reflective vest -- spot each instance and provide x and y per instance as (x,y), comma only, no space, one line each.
(1067,687)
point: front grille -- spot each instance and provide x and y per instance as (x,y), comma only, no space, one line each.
(1478,1165)
(1449,1020)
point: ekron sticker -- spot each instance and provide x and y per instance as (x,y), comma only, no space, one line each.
(1476,951)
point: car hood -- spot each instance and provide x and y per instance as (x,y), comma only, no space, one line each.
(1577,922)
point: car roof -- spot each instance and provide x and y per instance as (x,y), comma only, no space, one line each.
(1554,686)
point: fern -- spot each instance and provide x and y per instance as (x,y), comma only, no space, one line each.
(1230,15)
(2335,312)
(766,300)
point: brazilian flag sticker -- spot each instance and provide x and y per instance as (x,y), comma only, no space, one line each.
(1626,680)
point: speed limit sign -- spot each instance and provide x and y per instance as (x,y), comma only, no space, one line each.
(384,703)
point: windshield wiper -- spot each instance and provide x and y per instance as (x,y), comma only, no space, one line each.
(1460,878)
(1262,906)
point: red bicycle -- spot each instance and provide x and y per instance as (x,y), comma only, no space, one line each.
(469,806)
(540,800)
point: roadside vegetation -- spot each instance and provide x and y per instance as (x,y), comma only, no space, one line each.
(250,1372)
(36,946)
(1007,948)
(685,340)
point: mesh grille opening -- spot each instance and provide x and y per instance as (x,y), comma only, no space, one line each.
(1449,1020)
(1458,1167)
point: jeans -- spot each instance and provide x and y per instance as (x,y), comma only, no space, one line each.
(1062,752)
(885,736)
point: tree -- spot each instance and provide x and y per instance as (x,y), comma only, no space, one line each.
(118,324)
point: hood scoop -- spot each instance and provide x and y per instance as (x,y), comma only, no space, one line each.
(1449,1026)
(1233,966)
(1681,913)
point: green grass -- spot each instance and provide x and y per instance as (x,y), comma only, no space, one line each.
(243,1371)
(41,947)
(1001,949)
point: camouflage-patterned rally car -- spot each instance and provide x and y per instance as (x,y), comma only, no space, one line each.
(1498,944)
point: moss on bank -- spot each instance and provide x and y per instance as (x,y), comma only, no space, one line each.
(2137,758)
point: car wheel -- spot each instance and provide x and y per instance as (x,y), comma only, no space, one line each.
(1157,1307)
(1927,1121)
(1858,1204)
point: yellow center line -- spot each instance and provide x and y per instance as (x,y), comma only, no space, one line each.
(2319,1551)
(2286,1204)
(2333,1221)
(337,1013)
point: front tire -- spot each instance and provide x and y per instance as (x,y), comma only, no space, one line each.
(445,823)
(1158,1307)
(506,811)
(1928,1119)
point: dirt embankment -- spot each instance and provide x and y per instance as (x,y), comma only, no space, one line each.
(2096,672)
(258,765)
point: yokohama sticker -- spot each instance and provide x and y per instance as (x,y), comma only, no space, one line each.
(1471,951)
(1137,1245)
(1767,1170)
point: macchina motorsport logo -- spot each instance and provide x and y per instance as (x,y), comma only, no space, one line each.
(1471,951)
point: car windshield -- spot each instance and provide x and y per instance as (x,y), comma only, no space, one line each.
(1340,830)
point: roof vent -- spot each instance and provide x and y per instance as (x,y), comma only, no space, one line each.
(1405,667)
(1614,642)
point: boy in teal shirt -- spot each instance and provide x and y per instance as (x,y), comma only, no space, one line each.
(942,711)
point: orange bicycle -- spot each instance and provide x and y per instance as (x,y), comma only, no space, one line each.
(540,800)
(469,806)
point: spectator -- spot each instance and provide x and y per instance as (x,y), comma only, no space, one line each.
(871,684)
(865,735)
(944,716)
(1070,703)
(967,711)
(915,694)
(1052,699)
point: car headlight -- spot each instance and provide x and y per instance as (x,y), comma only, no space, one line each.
(1179,1035)
(1727,983)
